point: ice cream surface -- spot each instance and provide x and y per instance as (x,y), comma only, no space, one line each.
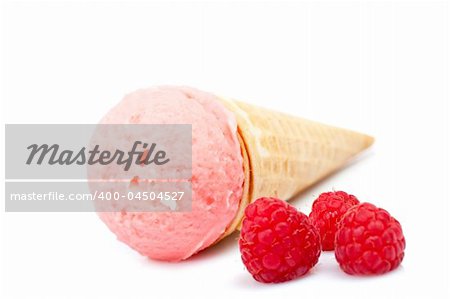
(217,173)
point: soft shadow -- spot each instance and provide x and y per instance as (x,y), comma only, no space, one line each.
(328,266)
(324,182)
(246,281)
(227,244)
(337,273)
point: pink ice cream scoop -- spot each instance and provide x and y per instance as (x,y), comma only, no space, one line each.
(217,173)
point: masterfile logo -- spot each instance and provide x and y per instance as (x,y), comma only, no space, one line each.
(53,155)
(103,168)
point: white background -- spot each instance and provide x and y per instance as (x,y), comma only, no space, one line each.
(380,67)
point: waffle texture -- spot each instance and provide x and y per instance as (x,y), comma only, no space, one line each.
(283,154)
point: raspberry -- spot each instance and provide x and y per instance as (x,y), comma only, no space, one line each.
(369,241)
(326,212)
(277,242)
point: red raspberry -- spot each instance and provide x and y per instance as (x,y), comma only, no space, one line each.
(277,242)
(369,241)
(326,212)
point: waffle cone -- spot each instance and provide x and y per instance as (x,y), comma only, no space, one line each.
(283,154)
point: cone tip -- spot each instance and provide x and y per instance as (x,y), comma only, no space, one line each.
(368,141)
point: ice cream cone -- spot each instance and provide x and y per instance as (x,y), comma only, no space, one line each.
(243,153)
(284,155)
